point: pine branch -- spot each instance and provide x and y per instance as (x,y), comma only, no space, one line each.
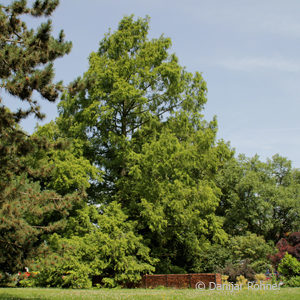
(13,41)
(8,242)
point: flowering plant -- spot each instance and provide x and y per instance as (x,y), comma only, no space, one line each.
(26,279)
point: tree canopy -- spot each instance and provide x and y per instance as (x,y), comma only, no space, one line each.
(132,81)
(259,197)
(27,211)
(140,112)
(130,178)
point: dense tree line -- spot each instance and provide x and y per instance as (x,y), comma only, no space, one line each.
(130,178)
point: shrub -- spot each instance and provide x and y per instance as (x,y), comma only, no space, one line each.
(64,272)
(251,247)
(260,278)
(235,270)
(290,245)
(261,266)
(225,279)
(241,280)
(9,280)
(110,250)
(293,281)
(289,266)
(27,279)
(215,257)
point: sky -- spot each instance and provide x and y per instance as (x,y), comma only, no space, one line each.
(247,51)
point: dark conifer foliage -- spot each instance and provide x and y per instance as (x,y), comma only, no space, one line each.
(26,55)
(27,212)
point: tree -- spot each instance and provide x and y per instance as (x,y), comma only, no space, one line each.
(140,114)
(259,197)
(24,51)
(26,66)
(248,248)
(131,81)
(68,169)
(98,244)
(28,216)
(28,213)
(170,190)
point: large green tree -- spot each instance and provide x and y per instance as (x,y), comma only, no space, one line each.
(131,81)
(28,212)
(170,190)
(140,114)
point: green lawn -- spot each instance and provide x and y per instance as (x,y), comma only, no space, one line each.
(141,294)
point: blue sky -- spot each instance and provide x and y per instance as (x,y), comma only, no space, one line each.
(248,53)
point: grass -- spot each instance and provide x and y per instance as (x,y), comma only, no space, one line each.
(141,294)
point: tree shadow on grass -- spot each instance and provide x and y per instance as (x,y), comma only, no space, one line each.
(14,297)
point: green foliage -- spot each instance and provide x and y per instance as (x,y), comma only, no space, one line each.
(9,280)
(289,266)
(28,211)
(27,55)
(237,249)
(27,279)
(101,244)
(251,247)
(261,265)
(27,217)
(214,258)
(161,190)
(131,82)
(171,193)
(235,270)
(139,113)
(293,281)
(246,255)
(68,169)
(262,198)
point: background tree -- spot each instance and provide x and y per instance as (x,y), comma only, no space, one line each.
(248,248)
(27,212)
(262,198)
